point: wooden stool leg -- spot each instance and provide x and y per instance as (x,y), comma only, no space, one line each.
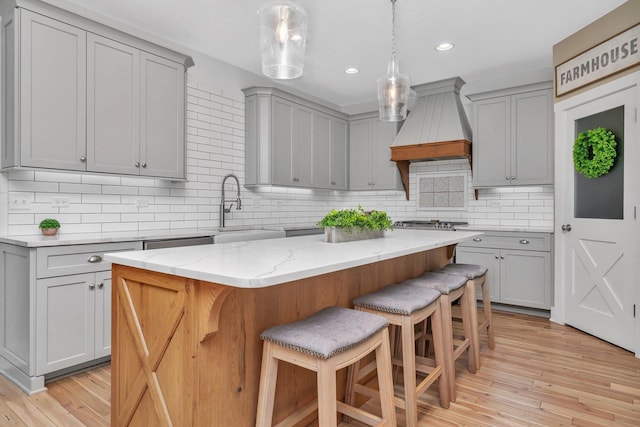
(470,306)
(439,348)
(267,390)
(486,304)
(385,382)
(327,406)
(409,372)
(447,339)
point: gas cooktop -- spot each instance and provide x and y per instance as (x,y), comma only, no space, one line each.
(434,223)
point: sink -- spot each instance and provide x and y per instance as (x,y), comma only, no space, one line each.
(231,235)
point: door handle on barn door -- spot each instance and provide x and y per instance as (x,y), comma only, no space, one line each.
(566,227)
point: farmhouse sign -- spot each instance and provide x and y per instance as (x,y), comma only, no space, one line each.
(610,57)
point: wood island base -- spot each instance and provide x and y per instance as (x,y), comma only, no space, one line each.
(187,352)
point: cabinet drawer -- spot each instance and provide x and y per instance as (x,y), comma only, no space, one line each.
(74,259)
(508,240)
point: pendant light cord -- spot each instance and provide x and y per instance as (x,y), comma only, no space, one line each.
(393,30)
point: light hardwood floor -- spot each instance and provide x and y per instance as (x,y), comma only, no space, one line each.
(540,374)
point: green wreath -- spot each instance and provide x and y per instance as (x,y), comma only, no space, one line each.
(594,152)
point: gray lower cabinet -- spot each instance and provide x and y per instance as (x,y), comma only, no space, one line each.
(512,137)
(57,309)
(293,142)
(370,166)
(84,97)
(519,266)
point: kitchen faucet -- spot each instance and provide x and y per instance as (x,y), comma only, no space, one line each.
(224,210)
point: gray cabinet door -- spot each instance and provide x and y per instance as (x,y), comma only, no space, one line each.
(162,111)
(526,278)
(532,148)
(282,135)
(322,141)
(113,106)
(491,142)
(385,175)
(103,314)
(360,160)
(64,322)
(488,257)
(52,93)
(339,164)
(302,149)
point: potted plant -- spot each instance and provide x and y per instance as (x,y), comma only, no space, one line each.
(49,226)
(354,224)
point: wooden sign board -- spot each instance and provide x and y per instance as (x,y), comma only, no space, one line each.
(610,57)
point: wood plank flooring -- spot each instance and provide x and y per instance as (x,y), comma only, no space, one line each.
(540,374)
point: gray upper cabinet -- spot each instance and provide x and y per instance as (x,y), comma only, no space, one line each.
(512,137)
(370,167)
(52,93)
(293,142)
(85,97)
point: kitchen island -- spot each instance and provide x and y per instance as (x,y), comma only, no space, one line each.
(186,322)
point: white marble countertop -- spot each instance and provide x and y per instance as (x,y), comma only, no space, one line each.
(505,228)
(262,263)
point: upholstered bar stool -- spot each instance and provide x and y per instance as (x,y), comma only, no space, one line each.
(477,274)
(404,307)
(325,342)
(453,288)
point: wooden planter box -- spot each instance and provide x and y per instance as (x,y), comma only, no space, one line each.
(337,235)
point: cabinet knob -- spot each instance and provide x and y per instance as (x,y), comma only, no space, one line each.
(94,258)
(92,286)
(477,239)
(513,178)
(524,242)
(333,183)
(566,227)
(101,285)
(83,159)
(144,165)
(501,257)
(496,256)
(507,178)
(137,164)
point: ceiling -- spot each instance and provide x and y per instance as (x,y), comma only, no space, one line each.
(494,39)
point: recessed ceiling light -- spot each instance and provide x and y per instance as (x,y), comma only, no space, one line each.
(444,46)
(352,70)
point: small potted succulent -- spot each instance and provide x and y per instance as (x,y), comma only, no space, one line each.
(49,226)
(354,224)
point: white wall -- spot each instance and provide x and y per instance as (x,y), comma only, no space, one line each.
(215,147)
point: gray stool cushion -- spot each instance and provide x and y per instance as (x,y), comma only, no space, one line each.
(470,271)
(326,333)
(444,283)
(398,299)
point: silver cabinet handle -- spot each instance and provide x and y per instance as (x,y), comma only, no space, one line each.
(513,178)
(83,159)
(144,165)
(524,241)
(566,227)
(137,164)
(477,239)
(92,286)
(496,256)
(95,258)
(507,178)
(101,285)
(501,257)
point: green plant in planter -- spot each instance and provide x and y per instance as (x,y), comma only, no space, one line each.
(349,219)
(49,223)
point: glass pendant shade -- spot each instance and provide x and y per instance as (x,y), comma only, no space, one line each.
(393,94)
(283,35)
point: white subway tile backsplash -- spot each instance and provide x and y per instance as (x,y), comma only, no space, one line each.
(215,147)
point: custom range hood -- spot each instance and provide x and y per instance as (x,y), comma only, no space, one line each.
(436,128)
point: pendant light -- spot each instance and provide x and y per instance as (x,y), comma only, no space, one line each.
(283,35)
(393,87)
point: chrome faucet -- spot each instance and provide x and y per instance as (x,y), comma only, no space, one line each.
(224,210)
